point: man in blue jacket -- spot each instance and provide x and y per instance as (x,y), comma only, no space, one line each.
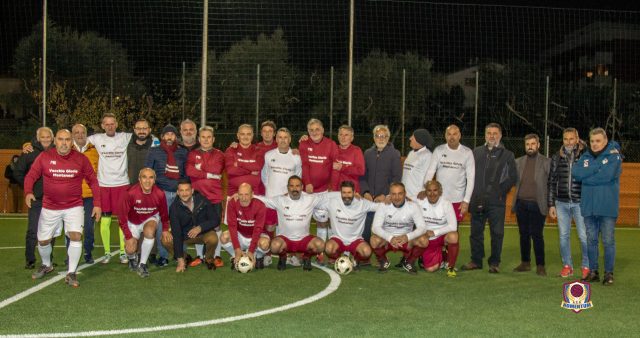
(599,171)
(168,161)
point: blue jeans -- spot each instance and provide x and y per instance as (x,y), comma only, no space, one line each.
(162,252)
(566,211)
(606,226)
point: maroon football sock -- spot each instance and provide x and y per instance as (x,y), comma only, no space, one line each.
(415,252)
(453,254)
(381,252)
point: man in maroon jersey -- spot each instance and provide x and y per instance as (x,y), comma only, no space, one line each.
(245,218)
(268,134)
(349,162)
(143,207)
(63,170)
(318,153)
(244,162)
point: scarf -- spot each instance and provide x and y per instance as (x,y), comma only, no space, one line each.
(171,170)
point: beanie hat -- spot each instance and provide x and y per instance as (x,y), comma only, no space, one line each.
(423,137)
(169,128)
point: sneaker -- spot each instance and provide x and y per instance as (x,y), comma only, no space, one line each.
(210,263)
(608,279)
(282,263)
(451,273)
(232,264)
(153,259)
(306,264)
(218,262)
(523,267)
(566,272)
(133,264)
(356,266)
(124,259)
(89,260)
(162,262)
(195,262)
(260,263)
(320,259)
(401,263)
(494,269)
(106,259)
(143,271)
(293,260)
(30,265)
(72,280)
(268,260)
(444,265)
(383,265)
(593,276)
(408,267)
(42,271)
(470,266)
(585,272)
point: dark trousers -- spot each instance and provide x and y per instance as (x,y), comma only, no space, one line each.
(495,216)
(531,224)
(366,233)
(31,238)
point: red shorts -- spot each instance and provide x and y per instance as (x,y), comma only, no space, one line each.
(433,254)
(271,218)
(404,248)
(456,208)
(351,248)
(112,197)
(297,246)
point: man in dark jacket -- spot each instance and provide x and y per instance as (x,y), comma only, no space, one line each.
(193,221)
(564,200)
(496,174)
(14,186)
(382,167)
(138,149)
(42,142)
(168,161)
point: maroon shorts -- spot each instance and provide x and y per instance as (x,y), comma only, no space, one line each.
(351,248)
(297,246)
(112,197)
(456,209)
(271,218)
(404,248)
(433,254)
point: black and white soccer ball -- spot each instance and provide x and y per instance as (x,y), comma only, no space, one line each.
(343,265)
(244,264)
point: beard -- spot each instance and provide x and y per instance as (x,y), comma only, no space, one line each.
(142,137)
(347,200)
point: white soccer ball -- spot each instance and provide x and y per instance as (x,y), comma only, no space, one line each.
(343,265)
(244,264)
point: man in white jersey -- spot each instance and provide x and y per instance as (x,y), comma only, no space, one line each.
(454,165)
(294,220)
(399,226)
(347,217)
(440,220)
(414,169)
(112,178)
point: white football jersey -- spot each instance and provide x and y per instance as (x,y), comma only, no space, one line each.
(112,166)
(294,216)
(414,171)
(278,167)
(455,170)
(347,221)
(391,221)
(439,218)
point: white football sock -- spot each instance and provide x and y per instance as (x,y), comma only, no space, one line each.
(45,254)
(218,248)
(74,252)
(200,250)
(229,248)
(145,249)
(260,253)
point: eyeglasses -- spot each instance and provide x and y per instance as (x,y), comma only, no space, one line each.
(380,136)
(140,129)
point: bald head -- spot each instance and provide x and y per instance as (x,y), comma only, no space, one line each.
(63,141)
(452,135)
(245,194)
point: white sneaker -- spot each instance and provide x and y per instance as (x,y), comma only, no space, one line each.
(124,259)
(267,260)
(293,261)
(107,258)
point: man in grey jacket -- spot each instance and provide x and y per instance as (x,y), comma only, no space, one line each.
(530,203)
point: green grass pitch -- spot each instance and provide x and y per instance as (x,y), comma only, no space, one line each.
(365,304)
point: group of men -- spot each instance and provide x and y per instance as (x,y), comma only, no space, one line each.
(168,193)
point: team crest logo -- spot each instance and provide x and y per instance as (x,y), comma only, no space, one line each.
(586,163)
(338,210)
(286,208)
(52,162)
(240,212)
(310,149)
(138,201)
(576,296)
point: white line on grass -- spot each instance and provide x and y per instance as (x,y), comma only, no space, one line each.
(46,283)
(332,287)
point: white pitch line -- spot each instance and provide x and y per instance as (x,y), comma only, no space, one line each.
(46,283)
(332,287)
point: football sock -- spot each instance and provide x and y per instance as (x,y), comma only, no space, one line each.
(199,250)
(45,253)
(74,252)
(322,233)
(218,247)
(145,249)
(381,252)
(445,254)
(121,241)
(228,247)
(453,254)
(415,252)
(335,255)
(105,232)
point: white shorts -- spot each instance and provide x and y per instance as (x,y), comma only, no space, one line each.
(136,229)
(321,215)
(51,222)
(246,242)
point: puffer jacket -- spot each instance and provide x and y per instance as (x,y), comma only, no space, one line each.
(562,185)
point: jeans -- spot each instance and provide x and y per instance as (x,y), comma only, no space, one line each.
(531,225)
(606,226)
(162,252)
(495,215)
(566,211)
(88,227)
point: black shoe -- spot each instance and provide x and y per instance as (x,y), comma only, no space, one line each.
(282,263)
(420,262)
(408,267)
(209,262)
(232,264)
(401,263)
(306,264)
(383,265)
(133,263)
(89,260)
(30,265)
(143,272)
(152,259)
(260,263)
(608,279)
(356,266)
(593,276)
(188,260)
(162,262)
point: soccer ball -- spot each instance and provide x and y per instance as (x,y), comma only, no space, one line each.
(244,264)
(343,265)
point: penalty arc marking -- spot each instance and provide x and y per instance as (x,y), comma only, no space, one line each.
(332,287)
